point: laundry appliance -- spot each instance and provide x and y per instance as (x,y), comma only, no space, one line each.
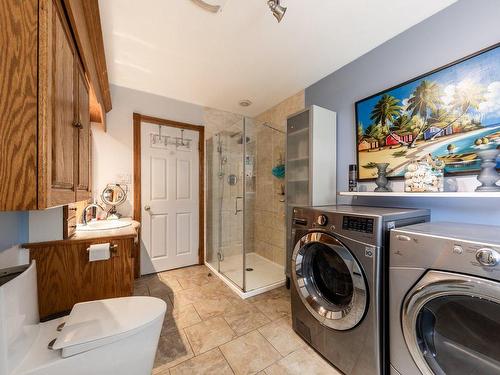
(338,281)
(445,299)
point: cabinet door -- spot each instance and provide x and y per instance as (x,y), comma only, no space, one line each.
(83,191)
(63,149)
(65,276)
(18,104)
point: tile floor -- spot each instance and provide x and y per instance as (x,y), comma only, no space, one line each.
(208,329)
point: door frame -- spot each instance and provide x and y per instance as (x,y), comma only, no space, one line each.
(138,120)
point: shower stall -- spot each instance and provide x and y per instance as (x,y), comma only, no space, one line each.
(231,197)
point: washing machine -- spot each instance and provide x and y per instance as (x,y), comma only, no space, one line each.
(338,287)
(445,299)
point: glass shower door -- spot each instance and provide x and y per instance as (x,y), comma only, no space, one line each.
(231,203)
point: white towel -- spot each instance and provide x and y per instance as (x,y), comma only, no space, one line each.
(98,252)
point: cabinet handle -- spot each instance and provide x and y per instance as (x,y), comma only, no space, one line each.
(78,125)
(72,209)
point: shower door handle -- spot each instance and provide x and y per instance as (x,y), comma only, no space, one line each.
(236,210)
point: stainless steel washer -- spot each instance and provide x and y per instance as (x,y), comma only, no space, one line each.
(445,299)
(337,274)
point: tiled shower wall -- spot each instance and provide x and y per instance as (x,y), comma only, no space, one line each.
(269,237)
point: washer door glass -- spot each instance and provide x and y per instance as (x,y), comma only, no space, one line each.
(329,281)
(451,324)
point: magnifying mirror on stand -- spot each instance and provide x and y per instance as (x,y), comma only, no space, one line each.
(114,195)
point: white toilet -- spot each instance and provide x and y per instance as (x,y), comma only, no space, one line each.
(105,337)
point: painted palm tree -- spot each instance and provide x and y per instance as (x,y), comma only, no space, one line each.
(467,96)
(386,110)
(425,99)
(384,113)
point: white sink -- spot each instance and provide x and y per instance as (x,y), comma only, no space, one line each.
(104,224)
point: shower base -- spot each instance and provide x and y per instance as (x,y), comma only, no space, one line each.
(265,275)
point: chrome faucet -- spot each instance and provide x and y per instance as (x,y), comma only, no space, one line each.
(92,205)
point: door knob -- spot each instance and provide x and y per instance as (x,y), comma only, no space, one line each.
(147,208)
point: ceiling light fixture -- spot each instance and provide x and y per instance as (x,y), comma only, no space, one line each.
(277,10)
(208,7)
(245,103)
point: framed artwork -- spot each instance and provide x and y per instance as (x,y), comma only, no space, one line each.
(451,113)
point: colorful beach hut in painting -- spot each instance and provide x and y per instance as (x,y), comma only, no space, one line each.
(437,132)
(367,143)
(398,138)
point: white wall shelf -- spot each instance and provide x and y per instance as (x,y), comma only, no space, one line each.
(458,194)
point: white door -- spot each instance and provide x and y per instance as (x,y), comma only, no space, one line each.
(170,198)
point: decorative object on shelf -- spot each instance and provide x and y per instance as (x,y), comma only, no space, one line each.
(353,177)
(445,110)
(382,180)
(488,175)
(425,176)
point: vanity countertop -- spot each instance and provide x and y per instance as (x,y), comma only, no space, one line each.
(130,231)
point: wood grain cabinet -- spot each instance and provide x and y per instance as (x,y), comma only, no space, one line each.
(44,109)
(65,276)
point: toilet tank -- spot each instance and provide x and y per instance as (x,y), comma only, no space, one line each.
(19,317)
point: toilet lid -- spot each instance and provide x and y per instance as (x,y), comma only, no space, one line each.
(96,323)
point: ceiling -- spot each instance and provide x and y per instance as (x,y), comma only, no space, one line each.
(175,49)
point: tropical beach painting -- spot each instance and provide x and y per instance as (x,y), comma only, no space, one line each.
(450,113)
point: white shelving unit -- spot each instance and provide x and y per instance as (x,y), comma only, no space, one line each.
(458,194)
(311,164)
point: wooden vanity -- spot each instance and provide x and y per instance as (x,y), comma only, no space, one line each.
(65,276)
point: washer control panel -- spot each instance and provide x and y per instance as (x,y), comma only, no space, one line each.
(357,224)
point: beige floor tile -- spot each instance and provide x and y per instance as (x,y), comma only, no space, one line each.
(196,280)
(274,306)
(182,316)
(209,334)
(187,271)
(212,307)
(173,348)
(212,291)
(244,317)
(162,286)
(209,363)
(302,361)
(281,335)
(250,353)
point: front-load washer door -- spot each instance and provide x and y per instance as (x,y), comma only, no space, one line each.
(329,281)
(451,324)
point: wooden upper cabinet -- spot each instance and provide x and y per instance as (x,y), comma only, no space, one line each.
(45,156)
(63,105)
(18,104)
(83,188)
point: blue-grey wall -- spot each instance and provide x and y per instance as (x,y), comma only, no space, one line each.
(459,30)
(13,229)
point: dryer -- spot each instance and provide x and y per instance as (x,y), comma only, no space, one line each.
(337,270)
(445,299)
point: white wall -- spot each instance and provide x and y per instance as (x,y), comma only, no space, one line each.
(112,156)
(45,225)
